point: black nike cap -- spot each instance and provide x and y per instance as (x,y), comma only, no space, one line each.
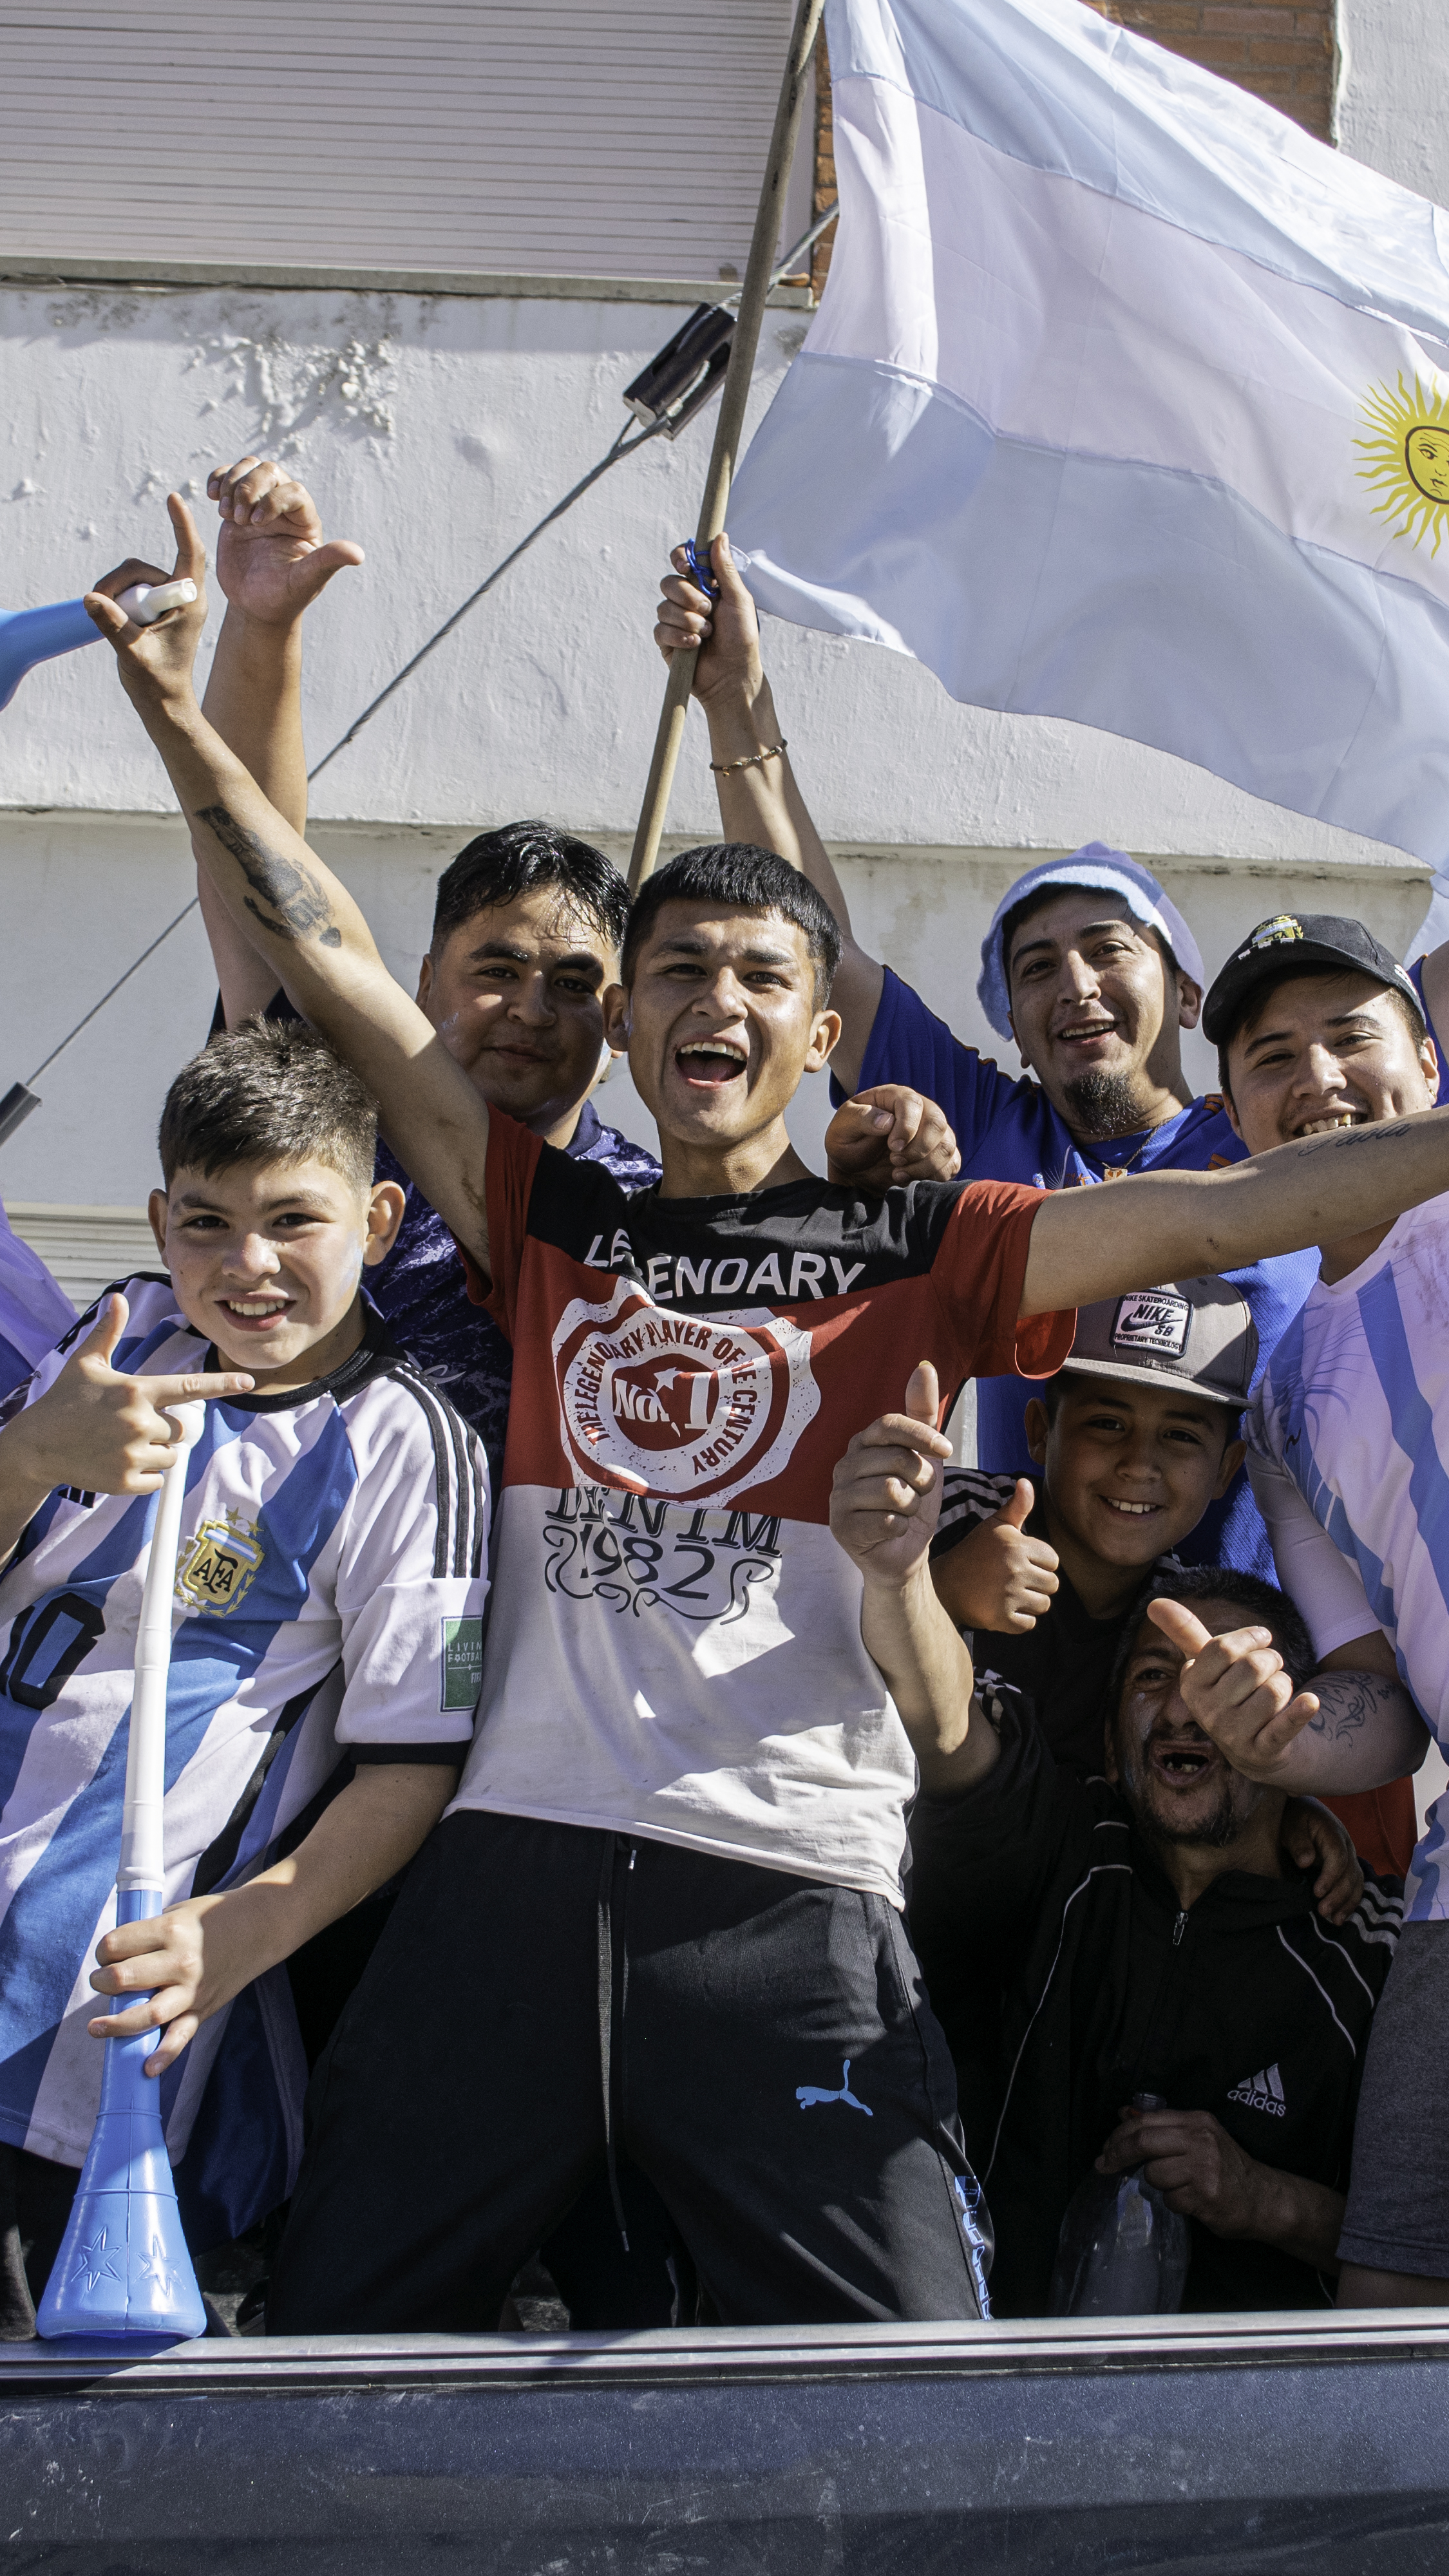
(1292,944)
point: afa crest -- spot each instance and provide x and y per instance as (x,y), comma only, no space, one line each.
(1284,926)
(219,1565)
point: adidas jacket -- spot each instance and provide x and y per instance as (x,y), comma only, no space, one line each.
(1068,1979)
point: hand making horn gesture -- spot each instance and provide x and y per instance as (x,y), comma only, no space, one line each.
(271,556)
(100,1430)
(1238,1689)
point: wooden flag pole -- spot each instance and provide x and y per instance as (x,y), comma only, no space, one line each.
(753,297)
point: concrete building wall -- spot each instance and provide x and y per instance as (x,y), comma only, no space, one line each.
(1393,91)
(436,429)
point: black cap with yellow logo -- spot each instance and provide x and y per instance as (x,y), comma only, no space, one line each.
(1291,944)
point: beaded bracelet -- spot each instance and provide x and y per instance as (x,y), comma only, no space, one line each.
(750,759)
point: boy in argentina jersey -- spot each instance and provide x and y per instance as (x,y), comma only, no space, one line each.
(683,1823)
(328,1603)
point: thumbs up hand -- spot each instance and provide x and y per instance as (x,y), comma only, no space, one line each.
(886,1498)
(998,1577)
(1237,1689)
(95,1427)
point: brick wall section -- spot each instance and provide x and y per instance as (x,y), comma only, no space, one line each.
(1281,50)
(824,163)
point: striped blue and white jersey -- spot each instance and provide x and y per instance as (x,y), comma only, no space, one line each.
(328,1607)
(1349,1450)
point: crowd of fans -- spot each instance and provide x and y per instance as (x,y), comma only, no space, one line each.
(687,1839)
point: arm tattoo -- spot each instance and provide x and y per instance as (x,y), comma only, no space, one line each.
(1352,1138)
(1347,1701)
(292,905)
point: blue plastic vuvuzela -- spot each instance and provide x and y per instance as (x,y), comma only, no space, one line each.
(31,635)
(123,2268)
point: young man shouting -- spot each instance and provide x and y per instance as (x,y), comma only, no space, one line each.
(680,1835)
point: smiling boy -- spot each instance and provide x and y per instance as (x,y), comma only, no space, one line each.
(329,1590)
(683,1819)
(1135,1437)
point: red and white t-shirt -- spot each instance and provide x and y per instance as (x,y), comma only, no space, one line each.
(675,1645)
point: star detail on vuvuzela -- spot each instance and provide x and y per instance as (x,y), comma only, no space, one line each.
(94,2263)
(156,2266)
(1407,453)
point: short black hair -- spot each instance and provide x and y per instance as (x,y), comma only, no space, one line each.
(1258,1000)
(270,1091)
(497,867)
(1264,1605)
(740,877)
(1037,901)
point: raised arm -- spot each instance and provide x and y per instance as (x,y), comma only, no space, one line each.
(1087,1244)
(271,563)
(300,918)
(761,802)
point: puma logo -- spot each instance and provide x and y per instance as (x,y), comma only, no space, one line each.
(807,2095)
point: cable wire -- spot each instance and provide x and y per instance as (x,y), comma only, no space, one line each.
(623,446)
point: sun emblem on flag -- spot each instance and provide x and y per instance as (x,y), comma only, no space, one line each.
(1407,453)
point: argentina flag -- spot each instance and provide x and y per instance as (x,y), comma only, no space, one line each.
(1126,401)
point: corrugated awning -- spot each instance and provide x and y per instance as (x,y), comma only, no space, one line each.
(591,138)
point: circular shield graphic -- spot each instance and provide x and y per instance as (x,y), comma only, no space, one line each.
(681,1406)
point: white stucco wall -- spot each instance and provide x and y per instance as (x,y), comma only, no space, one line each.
(90,889)
(1393,90)
(435,430)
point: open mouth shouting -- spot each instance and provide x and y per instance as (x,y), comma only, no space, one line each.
(707,1064)
(1180,1761)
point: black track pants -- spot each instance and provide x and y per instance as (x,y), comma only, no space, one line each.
(761,2042)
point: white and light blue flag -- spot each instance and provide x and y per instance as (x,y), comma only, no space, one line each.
(1126,401)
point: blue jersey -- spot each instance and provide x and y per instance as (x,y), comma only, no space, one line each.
(422,1291)
(1350,1433)
(327,1610)
(1009,1131)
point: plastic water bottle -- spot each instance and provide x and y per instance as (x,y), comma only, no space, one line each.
(1122,2252)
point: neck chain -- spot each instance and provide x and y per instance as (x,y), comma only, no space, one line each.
(1119,1171)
